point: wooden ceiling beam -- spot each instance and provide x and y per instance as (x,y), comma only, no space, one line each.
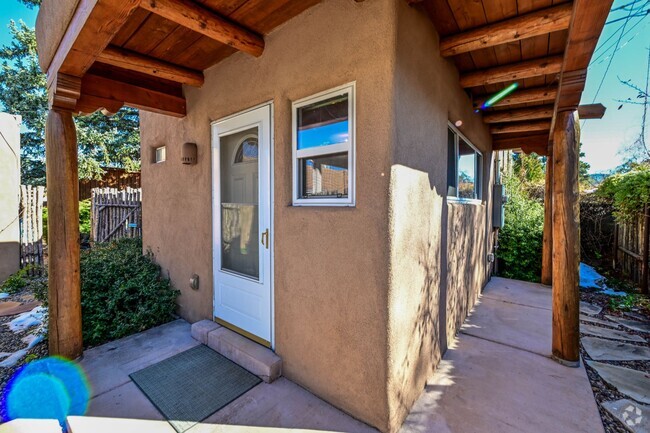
(512,72)
(522,27)
(99,93)
(527,113)
(591,111)
(537,140)
(189,14)
(521,96)
(587,24)
(91,29)
(148,65)
(520,127)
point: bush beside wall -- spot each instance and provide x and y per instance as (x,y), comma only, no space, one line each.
(122,292)
(520,240)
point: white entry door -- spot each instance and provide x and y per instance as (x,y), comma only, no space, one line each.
(241,184)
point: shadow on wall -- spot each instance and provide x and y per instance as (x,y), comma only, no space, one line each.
(465,251)
(415,285)
(424,350)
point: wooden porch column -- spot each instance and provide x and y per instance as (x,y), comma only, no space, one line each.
(566,239)
(547,242)
(63,233)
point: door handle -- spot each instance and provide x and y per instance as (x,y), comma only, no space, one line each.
(265,238)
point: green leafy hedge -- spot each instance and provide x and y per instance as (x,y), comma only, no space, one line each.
(84,219)
(122,292)
(520,240)
(629,192)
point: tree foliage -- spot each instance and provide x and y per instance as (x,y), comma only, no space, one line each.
(31,3)
(103,141)
(529,168)
(520,239)
(629,192)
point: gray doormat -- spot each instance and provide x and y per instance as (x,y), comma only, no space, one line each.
(192,385)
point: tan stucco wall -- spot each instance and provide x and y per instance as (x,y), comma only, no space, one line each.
(427,235)
(330,263)
(363,309)
(9,195)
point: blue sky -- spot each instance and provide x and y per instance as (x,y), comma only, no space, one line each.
(14,10)
(602,139)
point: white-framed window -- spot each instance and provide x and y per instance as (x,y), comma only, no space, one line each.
(160,154)
(323,141)
(464,167)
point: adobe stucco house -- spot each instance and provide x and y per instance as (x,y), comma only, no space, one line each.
(339,205)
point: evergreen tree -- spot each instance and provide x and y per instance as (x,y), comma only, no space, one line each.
(103,141)
(31,3)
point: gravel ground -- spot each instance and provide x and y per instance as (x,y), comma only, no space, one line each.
(11,342)
(602,390)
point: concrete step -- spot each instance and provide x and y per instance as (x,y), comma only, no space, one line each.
(31,426)
(257,359)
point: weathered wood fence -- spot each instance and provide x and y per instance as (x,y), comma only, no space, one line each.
(632,249)
(115,214)
(31,228)
(117,178)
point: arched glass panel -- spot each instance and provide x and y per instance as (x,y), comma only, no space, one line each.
(247,151)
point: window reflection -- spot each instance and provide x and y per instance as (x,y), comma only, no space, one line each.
(325,176)
(323,123)
(466,170)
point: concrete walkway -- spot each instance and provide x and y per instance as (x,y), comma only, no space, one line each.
(497,376)
(279,404)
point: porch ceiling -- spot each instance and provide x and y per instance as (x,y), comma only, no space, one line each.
(140,52)
(543,45)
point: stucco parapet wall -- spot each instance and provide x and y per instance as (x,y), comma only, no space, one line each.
(53,20)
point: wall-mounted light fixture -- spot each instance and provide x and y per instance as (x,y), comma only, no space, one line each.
(194,282)
(189,154)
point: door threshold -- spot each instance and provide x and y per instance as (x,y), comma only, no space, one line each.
(240,331)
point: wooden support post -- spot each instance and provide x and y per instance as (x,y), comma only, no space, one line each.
(65,337)
(645,253)
(566,239)
(547,243)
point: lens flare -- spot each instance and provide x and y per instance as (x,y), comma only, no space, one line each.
(499,96)
(50,388)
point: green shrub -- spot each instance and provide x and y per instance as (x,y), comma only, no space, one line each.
(20,280)
(629,302)
(14,284)
(122,292)
(629,192)
(45,225)
(84,219)
(520,240)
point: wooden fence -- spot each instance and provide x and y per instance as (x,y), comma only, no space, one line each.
(631,249)
(115,214)
(117,178)
(31,228)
